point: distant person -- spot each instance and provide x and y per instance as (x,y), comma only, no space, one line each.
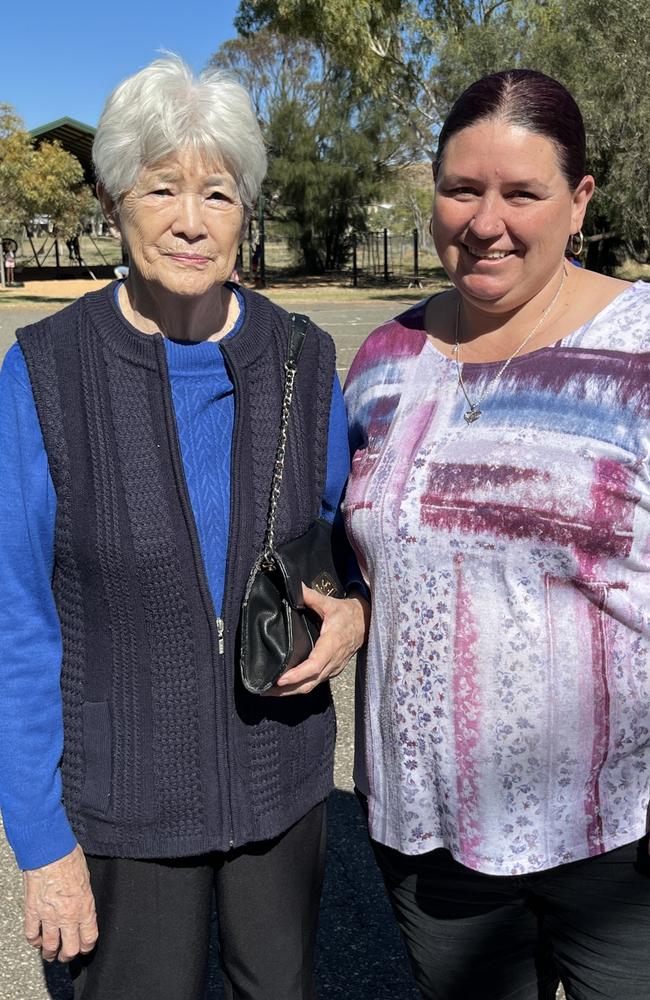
(499,500)
(10,263)
(138,436)
(256,262)
(74,249)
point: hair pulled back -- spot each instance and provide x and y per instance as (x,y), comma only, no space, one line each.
(527,99)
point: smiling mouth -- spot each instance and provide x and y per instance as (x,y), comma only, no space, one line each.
(190,257)
(488,254)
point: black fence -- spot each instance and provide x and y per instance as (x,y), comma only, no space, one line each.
(376,257)
(380,256)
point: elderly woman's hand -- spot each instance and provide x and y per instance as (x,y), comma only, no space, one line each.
(60,909)
(343,632)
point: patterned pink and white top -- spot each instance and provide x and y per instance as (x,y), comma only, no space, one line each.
(504,710)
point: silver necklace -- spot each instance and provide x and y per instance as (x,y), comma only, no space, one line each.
(474,411)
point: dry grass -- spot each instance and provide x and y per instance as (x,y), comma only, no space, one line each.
(632,271)
(42,293)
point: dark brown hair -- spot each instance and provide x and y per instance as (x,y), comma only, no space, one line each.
(530,100)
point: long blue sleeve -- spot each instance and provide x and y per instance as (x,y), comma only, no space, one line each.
(338,455)
(338,470)
(31,724)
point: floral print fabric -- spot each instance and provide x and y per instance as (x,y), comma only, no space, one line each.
(504,708)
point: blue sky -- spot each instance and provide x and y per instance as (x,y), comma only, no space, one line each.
(62,58)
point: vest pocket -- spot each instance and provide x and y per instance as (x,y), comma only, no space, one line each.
(97,755)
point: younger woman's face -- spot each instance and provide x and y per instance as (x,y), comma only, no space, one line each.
(503,212)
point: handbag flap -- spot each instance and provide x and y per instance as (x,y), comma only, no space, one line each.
(308,559)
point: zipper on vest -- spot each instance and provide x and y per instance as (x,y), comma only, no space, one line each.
(221,629)
(204,588)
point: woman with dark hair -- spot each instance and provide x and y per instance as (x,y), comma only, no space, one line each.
(499,502)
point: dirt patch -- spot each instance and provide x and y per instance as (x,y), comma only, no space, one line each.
(42,293)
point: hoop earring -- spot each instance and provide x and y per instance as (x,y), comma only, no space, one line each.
(576,243)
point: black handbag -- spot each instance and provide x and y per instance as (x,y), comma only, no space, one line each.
(276,630)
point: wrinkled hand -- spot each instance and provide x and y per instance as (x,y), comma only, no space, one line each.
(60,909)
(343,632)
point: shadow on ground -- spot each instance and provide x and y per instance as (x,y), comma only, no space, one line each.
(360,955)
(35,300)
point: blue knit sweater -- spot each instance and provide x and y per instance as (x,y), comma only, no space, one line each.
(31,729)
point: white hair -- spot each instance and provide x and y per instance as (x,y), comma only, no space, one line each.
(162,110)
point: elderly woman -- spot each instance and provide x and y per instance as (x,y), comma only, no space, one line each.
(138,437)
(500,503)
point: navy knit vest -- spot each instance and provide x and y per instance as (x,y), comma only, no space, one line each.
(165,753)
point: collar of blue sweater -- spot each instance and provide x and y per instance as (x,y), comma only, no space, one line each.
(242,347)
(192,358)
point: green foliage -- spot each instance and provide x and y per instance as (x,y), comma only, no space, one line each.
(328,145)
(420,56)
(274,69)
(408,191)
(348,30)
(44,181)
(323,174)
(15,154)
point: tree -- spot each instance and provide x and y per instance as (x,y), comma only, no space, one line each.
(44,181)
(15,156)
(421,55)
(407,193)
(272,68)
(324,173)
(328,145)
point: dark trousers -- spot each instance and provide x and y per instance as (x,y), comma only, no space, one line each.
(480,937)
(154,921)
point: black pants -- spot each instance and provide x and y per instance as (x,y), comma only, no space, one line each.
(481,937)
(154,921)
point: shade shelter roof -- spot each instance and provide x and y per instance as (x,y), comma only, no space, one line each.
(74,136)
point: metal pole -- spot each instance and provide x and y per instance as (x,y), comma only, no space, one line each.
(355,275)
(416,263)
(260,206)
(56,253)
(385,255)
(2,265)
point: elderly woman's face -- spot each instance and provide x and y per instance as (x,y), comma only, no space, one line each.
(503,212)
(182,223)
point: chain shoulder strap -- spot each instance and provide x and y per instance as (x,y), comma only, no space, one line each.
(297,333)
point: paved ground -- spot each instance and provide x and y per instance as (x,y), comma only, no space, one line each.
(360,954)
